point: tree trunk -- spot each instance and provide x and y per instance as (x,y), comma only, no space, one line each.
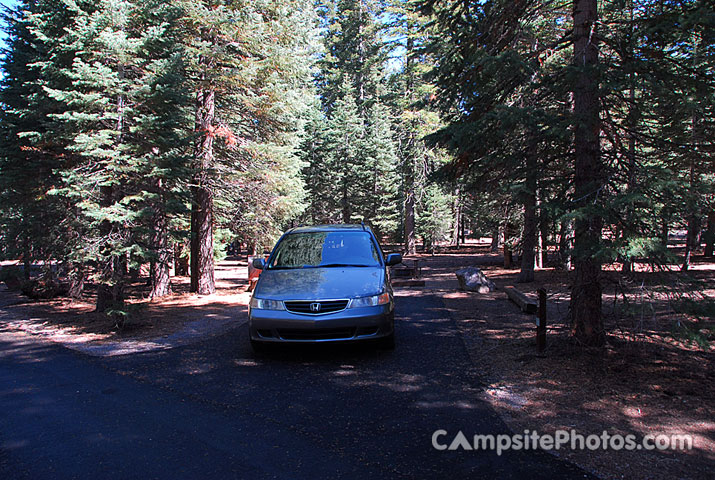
(26,260)
(202,252)
(457,212)
(632,122)
(586,291)
(630,210)
(463,228)
(692,237)
(543,256)
(506,248)
(160,278)
(565,244)
(124,263)
(664,232)
(409,226)
(410,239)
(134,267)
(181,262)
(508,256)
(710,233)
(495,240)
(528,239)
(692,241)
(110,291)
(346,202)
(409,162)
(112,266)
(76,278)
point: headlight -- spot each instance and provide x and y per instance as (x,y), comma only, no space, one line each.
(265,304)
(375,300)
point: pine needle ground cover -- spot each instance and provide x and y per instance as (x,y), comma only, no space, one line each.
(651,377)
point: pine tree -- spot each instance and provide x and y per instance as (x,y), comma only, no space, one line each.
(354,54)
(249,91)
(263,184)
(410,98)
(161,139)
(345,153)
(110,131)
(356,154)
(433,216)
(319,176)
(121,119)
(510,124)
(35,226)
(381,196)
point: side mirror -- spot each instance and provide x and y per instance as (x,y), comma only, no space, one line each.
(393,259)
(259,263)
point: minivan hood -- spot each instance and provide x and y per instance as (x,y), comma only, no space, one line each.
(320,283)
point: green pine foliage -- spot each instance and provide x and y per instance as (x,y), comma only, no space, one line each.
(98,113)
(511,85)
(259,185)
(349,151)
(119,117)
(434,216)
(34,225)
(124,118)
(506,75)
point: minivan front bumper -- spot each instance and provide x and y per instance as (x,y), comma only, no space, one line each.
(351,324)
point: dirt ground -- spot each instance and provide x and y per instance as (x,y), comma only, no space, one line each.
(159,323)
(653,377)
(647,381)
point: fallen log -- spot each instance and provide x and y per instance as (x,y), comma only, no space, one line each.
(408,283)
(525,303)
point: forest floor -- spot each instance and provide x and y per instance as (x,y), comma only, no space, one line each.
(151,324)
(654,376)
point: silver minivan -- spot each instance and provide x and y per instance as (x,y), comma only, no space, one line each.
(325,283)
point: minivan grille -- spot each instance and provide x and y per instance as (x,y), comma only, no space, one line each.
(316,333)
(318,307)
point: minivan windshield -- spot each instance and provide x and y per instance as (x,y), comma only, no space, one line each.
(325,249)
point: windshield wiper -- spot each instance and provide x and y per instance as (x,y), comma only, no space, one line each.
(328,265)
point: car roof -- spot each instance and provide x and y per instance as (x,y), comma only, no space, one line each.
(337,227)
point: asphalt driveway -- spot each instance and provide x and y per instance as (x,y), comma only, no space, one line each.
(213,409)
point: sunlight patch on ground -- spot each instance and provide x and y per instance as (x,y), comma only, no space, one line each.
(461,405)
(64,335)
(246,362)
(507,397)
(401,383)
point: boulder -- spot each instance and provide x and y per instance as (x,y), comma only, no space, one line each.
(474,280)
